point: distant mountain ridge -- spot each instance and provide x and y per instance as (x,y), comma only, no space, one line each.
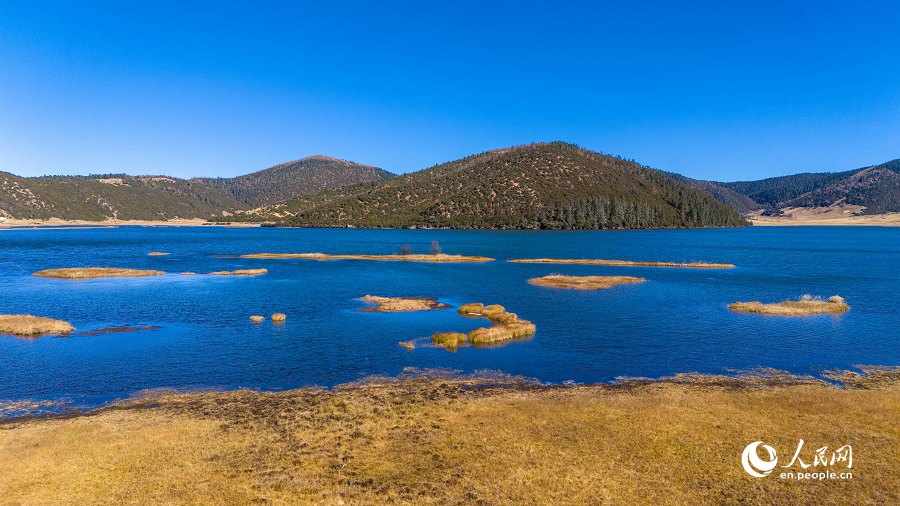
(306,176)
(876,188)
(110,196)
(546,185)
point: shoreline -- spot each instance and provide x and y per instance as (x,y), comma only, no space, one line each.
(432,439)
(56,223)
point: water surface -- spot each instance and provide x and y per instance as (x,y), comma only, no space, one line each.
(675,322)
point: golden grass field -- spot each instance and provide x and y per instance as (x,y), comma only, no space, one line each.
(584,282)
(619,263)
(402,304)
(440,440)
(438,258)
(807,305)
(26,325)
(96,272)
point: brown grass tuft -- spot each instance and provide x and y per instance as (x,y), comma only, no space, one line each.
(279,317)
(620,263)
(449,340)
(807,305)
(584,282)
(440,258)
(240,272)
(158,254)
(257,318)
(473,309)
(26,325)
(402,304)
(95,272)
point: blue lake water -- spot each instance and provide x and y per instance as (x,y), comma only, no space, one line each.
(675,322)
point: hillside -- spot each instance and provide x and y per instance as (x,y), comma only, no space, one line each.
(118,196)
(306,176)
(551,185)
(875,188)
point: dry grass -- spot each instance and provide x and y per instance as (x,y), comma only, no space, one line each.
(257,318)
(25,325)
(807,305)
(620,263)
(409,345)
(188,273)
(439,258)
(402,304)
(449,340)
(471,309)
(240,272)
(584,282)
(279,317)
(96,272)
(436,440)
(158,254)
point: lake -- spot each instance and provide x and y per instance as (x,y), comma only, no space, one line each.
(675,322)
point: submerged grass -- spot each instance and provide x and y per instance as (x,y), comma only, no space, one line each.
(620,263)
(402,304)
(468,440)
(96,272)
(439,258)
(584,282)
(807,305)
(26,325)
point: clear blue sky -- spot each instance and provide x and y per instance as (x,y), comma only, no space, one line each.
(720,90)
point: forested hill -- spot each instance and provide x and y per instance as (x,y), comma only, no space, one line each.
(876,188)
(548,185)
(111,196)
(306,176)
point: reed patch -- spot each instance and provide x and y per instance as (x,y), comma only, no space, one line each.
(621,263)
(401,304)
(26,325)
(96,272)
(805,306)
(584,282)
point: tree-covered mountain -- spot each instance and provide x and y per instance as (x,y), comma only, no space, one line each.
(306,176)
(110,196)
(876,188)
(547,185)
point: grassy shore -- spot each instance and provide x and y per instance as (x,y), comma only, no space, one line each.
(439,440)
(619,263)
(437,258)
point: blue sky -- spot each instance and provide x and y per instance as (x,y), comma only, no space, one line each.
(717,90)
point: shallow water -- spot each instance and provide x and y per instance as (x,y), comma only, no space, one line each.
(675,322)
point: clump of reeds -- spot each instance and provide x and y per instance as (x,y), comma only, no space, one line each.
(257,318)
(278,317)
(26,325)
(449,340)
(402,304)
(409,345)
(584,282)
(620,263)
(240,272)
(472,309)
(406,257)
(95,272)
(806,305)
(158,253)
